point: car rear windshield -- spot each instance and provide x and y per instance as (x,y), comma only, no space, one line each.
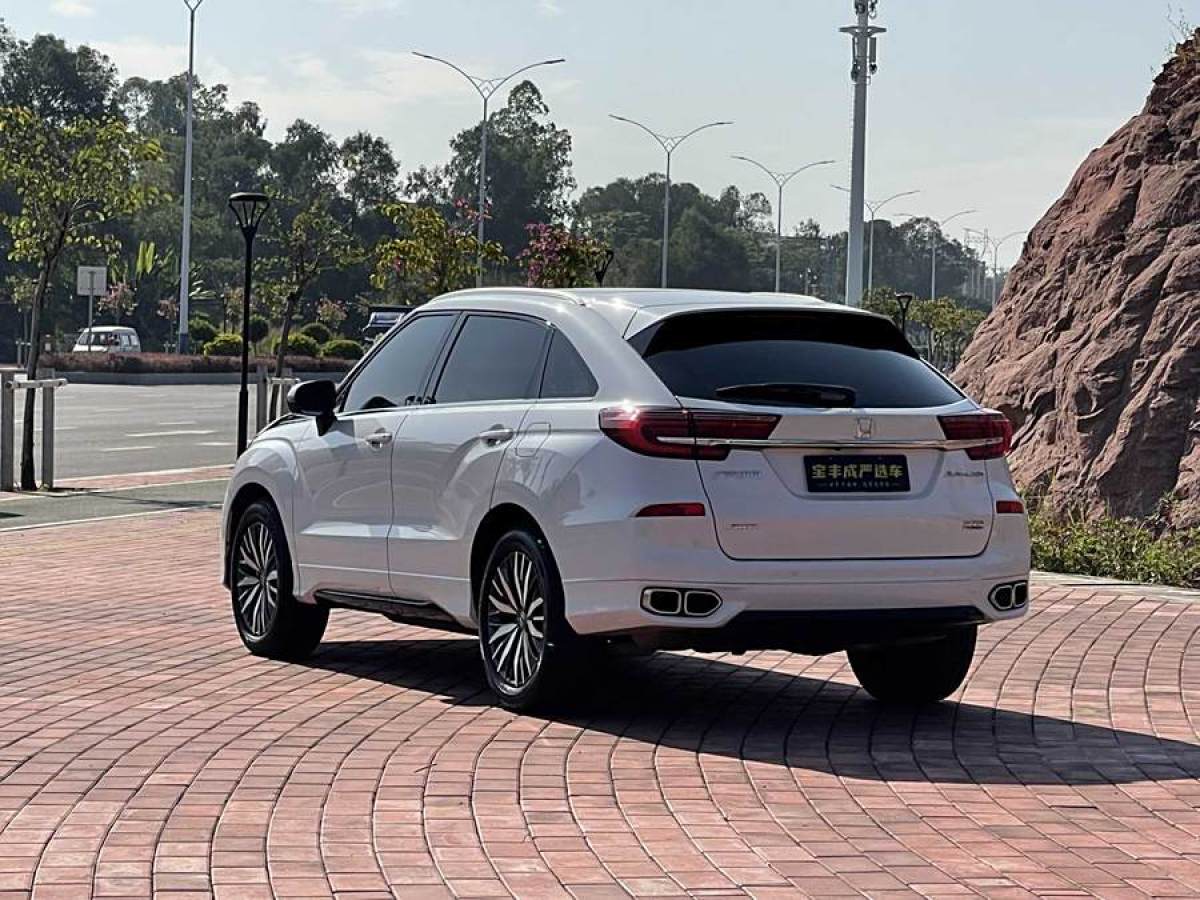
(791,358)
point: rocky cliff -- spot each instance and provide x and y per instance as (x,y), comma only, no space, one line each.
(1093,349)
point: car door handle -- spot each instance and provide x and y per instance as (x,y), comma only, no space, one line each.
(496,435)
(379,439)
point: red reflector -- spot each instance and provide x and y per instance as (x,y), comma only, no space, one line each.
(991,427)
(680,433)
(663,510)
(1011,507)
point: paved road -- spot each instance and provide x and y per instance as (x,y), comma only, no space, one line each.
(112,429)
(142,751)
(22,511)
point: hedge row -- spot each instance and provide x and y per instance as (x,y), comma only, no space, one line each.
(169,363)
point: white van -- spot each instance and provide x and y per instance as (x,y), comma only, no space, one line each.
(107,339)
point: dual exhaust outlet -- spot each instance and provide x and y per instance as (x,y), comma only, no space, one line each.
(665,601)
(1005,597)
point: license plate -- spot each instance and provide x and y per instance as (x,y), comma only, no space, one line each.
(856,474)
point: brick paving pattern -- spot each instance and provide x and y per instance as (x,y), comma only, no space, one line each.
(143,752)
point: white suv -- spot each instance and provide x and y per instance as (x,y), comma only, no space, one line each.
(560,471)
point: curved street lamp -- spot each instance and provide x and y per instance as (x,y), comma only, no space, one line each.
(485,87)
(874,209)
(781,179)
(668,143)
(937,234)
(248,207)
(996,245)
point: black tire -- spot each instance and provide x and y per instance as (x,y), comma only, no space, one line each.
(277,625)
(921,672)
(506,636)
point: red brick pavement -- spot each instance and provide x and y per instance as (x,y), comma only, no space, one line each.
(143,751)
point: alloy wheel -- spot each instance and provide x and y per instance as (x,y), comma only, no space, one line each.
(516,620)
(257,580)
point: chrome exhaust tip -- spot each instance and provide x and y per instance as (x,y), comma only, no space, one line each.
(700,603)
(662,601)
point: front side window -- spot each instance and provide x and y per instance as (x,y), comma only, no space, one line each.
(493,358)
(395,376)
(567,375)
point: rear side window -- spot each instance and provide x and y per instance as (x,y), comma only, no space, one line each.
(395,376)
(567,375)
(494,358)
(809,359)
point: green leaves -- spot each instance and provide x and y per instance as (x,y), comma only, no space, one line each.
(432,256)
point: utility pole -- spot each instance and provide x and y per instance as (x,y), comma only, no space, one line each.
(864,36)
(185,253)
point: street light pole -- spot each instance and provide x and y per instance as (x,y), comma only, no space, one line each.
(668,143)
(937,234)
(875,209)
(996,245)
(864,36)
(185,252)
(249,209)
(485,87)
(781,179)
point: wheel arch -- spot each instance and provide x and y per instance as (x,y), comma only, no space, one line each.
(248,494)
(499,520)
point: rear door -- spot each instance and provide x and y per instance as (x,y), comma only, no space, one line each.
(857,465)
(449,449)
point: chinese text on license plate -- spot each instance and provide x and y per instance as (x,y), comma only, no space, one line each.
(856,474)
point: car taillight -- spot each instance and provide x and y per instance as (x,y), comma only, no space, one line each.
(680,433)
(992,427)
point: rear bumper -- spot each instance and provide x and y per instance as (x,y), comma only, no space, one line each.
(852,594)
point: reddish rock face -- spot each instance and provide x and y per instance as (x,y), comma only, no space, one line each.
(1093,349)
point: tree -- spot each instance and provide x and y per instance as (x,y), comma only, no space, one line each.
(72,180)
(312,244)
(555,257)
(58,84)
(432,255)
(528,168)
(371,172)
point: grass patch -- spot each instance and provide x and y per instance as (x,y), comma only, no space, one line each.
(1148,551)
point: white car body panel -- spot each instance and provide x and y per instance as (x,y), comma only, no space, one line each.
(400,521)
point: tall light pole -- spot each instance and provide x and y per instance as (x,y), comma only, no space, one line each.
(864,37)
(781,179)
(996,245)
(875,209)
(485,87)
(668,143)
(936,237)
(185,252)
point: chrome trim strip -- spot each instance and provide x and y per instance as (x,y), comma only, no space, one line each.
(831,443)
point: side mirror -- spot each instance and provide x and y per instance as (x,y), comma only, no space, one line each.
(314,398)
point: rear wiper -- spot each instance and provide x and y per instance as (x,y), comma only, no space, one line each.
(789,394)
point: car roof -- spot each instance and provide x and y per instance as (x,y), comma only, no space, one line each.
(99,329)
(622,306)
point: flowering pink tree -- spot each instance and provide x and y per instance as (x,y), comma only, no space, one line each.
(555,257)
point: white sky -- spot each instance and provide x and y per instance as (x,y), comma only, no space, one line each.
(990,105)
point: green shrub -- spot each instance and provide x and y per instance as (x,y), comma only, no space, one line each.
(1140,550)
(342,348)
(200,331)
(318,332)
(259,328)
(298,345)
(224,344)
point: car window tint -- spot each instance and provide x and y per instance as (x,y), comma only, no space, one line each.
(566,375)
(493,358)
(727,355)
(396,374)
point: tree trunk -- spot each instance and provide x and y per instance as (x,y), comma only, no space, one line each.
(28,475)
(289,311)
